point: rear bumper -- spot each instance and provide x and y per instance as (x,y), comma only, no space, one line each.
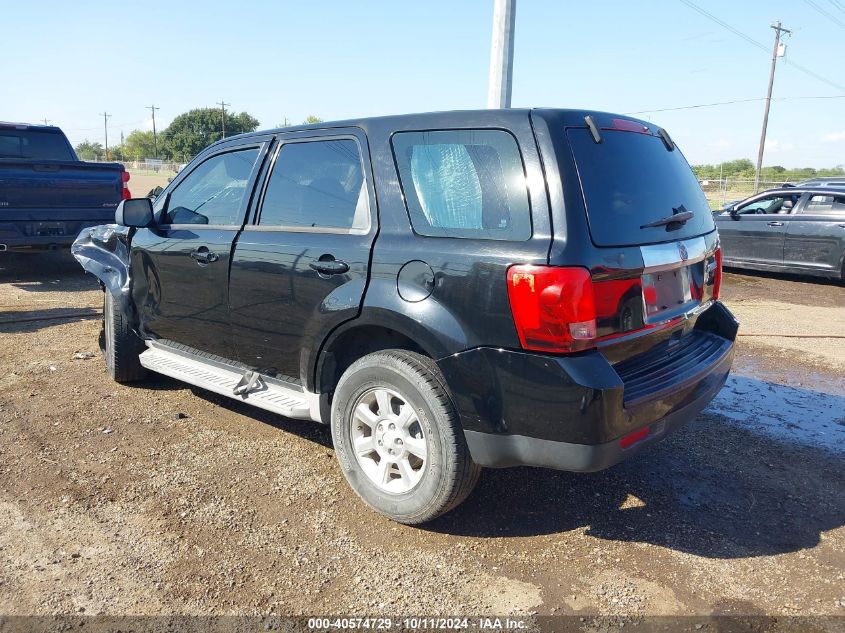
(570,413)
(39,234)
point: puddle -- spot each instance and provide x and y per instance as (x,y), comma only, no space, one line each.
(790,414)
(786,369)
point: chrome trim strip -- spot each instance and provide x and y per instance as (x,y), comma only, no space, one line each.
(657,257)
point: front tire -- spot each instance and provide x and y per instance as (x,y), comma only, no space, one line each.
(398,438)
(121,346)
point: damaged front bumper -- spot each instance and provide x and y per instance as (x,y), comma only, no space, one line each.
(103,251)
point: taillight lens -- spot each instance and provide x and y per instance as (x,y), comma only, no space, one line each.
(717,279)
(553,308)
(126,195)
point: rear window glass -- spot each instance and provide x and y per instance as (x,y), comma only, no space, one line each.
(630,180)
(32,144)
(464,183)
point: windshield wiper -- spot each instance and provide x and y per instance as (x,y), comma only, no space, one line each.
(679,217)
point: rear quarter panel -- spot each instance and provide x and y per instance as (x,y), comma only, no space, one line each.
(468,305)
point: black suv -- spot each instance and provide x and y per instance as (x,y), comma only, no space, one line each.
(448,291)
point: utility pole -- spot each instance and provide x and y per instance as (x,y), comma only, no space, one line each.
(223,105)
(46,122)
(106,116)
(501,55)
(775,52)
(153,109)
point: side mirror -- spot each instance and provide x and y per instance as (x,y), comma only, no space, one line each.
(734,214)
(137,212)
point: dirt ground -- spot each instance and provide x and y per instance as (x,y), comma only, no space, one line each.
(162,499)
(142,181)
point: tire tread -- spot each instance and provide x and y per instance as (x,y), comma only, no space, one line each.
(122,361)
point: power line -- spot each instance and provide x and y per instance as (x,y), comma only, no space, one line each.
(700,105)
(721,103)
(809,72)
(725,25)
(88,129)
(837,4)
(829,16)
(757,44)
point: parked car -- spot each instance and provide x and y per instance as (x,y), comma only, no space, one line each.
(448,291)
(47,195)
(794,229)
(828,181)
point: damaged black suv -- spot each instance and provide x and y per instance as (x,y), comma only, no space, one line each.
(448,291)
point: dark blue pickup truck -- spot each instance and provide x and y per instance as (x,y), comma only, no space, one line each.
(47,195)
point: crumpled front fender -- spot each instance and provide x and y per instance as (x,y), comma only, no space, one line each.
(103,251)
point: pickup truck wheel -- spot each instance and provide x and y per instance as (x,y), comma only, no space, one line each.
(121,346)
(398,439)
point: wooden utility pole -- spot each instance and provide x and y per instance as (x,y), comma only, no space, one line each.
(775,50)
(153,109)
(223,105)
(106,116)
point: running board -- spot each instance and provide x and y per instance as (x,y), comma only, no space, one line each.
(242,385)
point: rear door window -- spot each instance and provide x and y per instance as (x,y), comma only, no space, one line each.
(825,205)
(317,185)
(630,180)
(464,183)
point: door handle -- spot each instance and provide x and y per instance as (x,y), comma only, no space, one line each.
(841,226)
(774,223)
(203,256)
(330,267)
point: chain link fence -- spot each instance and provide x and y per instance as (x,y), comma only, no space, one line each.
(720,192)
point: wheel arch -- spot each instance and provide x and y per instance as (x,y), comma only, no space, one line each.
(374,330)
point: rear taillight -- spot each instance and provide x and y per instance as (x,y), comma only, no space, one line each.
(717,277)
(125,195)
(553,308)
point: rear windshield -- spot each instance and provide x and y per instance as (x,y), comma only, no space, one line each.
(34,144)
(630,180)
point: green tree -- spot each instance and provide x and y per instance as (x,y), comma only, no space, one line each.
(742,168)
(190,132)
(86,150)
(116,152)
(737,168)
(312,119)
(139,145)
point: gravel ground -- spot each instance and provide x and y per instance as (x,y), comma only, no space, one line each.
(162,499)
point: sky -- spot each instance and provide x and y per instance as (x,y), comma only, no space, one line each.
(69,62)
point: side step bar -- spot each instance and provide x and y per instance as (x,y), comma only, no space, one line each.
(233,382)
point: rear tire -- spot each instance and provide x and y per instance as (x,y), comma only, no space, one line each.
(398,438)
(121,346)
